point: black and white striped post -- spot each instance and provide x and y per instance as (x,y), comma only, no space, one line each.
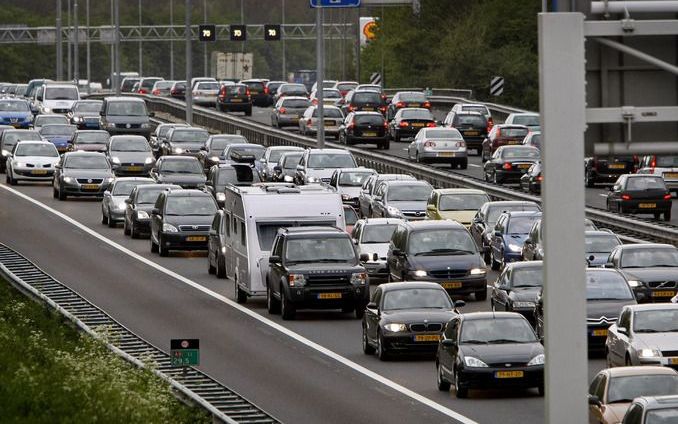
(497,86)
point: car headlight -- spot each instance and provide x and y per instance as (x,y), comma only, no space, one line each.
(296,280)
(5,152)
(523,304)
(514,247)
(478,271)
(214,158)
(537,360)
(223,249)
(46,110)
(345,197)
(108,180)
(148,160)
(649,353)
(395,327)
(359,278)
(77,119)
(393,211)
(221,197)
(69,180)
(19,164)
(142,215)
(288,179)
(169,228)
(635,283)
(145,125)
(110,125)
(115,160)
(420,273)
(310,179)
(178,150)
(470,361)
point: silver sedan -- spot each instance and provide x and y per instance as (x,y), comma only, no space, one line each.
(439,145)
(113,204)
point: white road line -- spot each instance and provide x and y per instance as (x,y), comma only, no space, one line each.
(474,165)
(296,336)
(602,194)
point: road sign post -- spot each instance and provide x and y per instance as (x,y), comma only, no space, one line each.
(497,86)
(184,352)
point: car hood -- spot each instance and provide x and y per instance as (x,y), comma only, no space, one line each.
(381,249)
(503,353)
(189,219)
(322,173)
(37,160)
(405,205)
(181,178)
(610,309)
(661,341)
(417,315)
(350,191)
(7,114)
(525,294)
(652,274)
(87,173)
(463,217)
(325,268)
(132,157)
(443,261)
(124,119)
(94,147)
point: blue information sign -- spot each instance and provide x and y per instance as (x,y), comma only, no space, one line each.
(335,3)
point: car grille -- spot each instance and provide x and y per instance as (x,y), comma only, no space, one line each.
(126,125)
(669,352)
(507,364)
(327,280)
(416,214)
(194,227)
(61,110)
(448,273)
(603,321)
(32,165)
(431,326)
(90,180)
(662,284)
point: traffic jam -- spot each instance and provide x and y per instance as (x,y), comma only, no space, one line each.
(304,229)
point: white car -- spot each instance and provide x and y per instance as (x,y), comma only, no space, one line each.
(665,166)
(42,120)
(205,93)
(272,158)
(57,98)
(529,119)
(333,118)
(439,145)
(32,161)
(372,237)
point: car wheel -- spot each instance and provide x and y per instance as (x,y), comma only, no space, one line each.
(464,164)
(154,247)
(493,306)
(416,158)
(210,268)
(272,304)
(541,390)
(359,310)
(443,385)
(111,223)
(125,228)
(104,218)
(657,216)
(62,194)
(162,250)
(368,349)
(481,295)
(9,179)
(460,392)
(494,264)
(667,216)
(386,145)
(382,353)
(502,262)
(287,310)
(55,193)
(240,294)
(221,267)
(486,256)
(248,112)
(396,137)
(627,361)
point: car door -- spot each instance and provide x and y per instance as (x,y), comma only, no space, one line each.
(619,341)
(392,260)
(500,291)
(213,238)
(372,315)
(276,270)
(364,197)
(529,245)
(595,414)
(156,218)
(379,201)
(478,227)
(614,196)
(497,239)
(447,354)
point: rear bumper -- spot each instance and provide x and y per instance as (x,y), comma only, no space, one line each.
(180,241)
(444,157)
(485,378)
(634,206)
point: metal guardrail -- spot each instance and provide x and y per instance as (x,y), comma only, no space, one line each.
(197,387)
(629,229)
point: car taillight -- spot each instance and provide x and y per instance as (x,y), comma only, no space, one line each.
(431,124)
(540,178)
(385,124)
(400,104)
(142,91)
(507,165)
(309,121)
(667,197)
(351,108)
(594,167)
(427,105)
(429,144)
(314,101)
(282,110)
(461,144)
(382,108)
(266,90)
(403,124)
(155,92)
(247,92)
(653,163)
(625,197)
(173,91)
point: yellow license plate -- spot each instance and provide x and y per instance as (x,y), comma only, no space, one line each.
(253,92)
(329,295)
(616,166)
(414,105)
(446,154)
(39,172)
(471,133)
(664,293)
(90,186)
(673,361)
(330,123)
(524,166)
(451,284)
(600,333)
(369,134)
(368,108)
(671,175)
(647,205)
(135,168)
(509,374)
(196,238)
(514,142)
(236,100)
(418,124)
(426,338)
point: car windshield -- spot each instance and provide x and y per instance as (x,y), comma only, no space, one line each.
(475,108)
(444,133)
(190,205)
(148,196)
(212,86)
(220,143)
(527,277)
(189,136)
(495,211)
(93,107)
(528,120)
(291,161)
(148,82)
(12,138)
(86,162)
(237,175)
(296,103)
(67,130)
(292,88)
(126,109)
(124,188)
(650,257)
(33,149)
(666,162)
(645,183)
(443,242)
(377,233)
(490,330)
(607,286)
(329,112)
(417,114)
(252,150)
(331,160)
(130,145)
(656,321)
(521,224)
(416,299)
(409,193)
(412,97)
(92,138)
(332,249)
(42,120)
(535,140)
(61,93)
(462,202)
(601,243)
(275,155)
(520,153)
(181,167)
(13,106)
(475,120)
(366,97)
(353,179)
(369,119)
(662,416)
(350,216)
(626,388)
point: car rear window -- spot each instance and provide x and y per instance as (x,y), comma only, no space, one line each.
(475,120)
(346,86)
(293,88)
(528,120)
(92,137)
(296,103)
(236,89)
(148,83)
(475,108)
(369,119)
(521,152)
(413,97)
(366,97)
(208,86)
(190,136)
(256,85)
(666,162)
(329,113)
(645,183)
(417,114)
(512,132)
(444,133)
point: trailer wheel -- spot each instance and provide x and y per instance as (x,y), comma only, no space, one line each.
(240,295)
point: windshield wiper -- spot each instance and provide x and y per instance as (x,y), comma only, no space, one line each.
(472,341)
(648,330)
(525,285)
(620,401)
(506,341)
(443,251)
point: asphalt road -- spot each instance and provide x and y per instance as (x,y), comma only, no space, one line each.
(277,371)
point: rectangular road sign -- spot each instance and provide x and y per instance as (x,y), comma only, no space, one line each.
(184,352)
(335,3)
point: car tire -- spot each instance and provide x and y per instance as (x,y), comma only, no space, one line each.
(154,247)
(240,295)
(368,349)
(125,229)
(481,295)
(541,390)
(464,164)
(104,219)
(221,267)
(55,193)
(62,194)
(460,392)
(359,311)
(133,231)
(493,262)
(627,361)
(248,112)
(9,179)
(163,251)
(385,145)
(667,216)
(210,268)
(443,385)
(416,158)
(111,223)
(396,137)
(382,353)
(486,256)
(272,304)
(287,310)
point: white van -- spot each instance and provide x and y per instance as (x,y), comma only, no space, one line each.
(56,98)
(254,215)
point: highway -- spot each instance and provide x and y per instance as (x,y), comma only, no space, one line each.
(273,363)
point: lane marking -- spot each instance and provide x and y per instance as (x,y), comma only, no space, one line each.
(474,165)
(296,336)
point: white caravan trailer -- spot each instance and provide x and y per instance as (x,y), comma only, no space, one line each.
(255,214)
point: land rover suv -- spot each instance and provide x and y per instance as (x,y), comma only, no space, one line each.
(315,268)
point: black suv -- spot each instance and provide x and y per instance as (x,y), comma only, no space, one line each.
(315,267)
(181,220)
(139,204)
(185,171)
(471,125)
(234,98)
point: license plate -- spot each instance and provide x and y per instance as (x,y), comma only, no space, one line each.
(368,109)
(451,284)
(330,123)
(471,133)
(524,166)
(196,238)
(90,186)
(418,124)
(673,361)
(663,293)
(236,100)
(329,295)
(616,166)
(671,175)
(39,172)
(514,142)
(414,105)
(446,154)
(647,205)
(426,338)
(135,168)
(252,92)
(369,134)
(600,332)
(509,374)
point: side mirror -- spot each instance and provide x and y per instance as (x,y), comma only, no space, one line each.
(364,257)
(213,232)
(372,306)
(101,112)
(623,330)
(640,297)
(128,201)
(448,342)
(608,265)
(497,233)
(203,148)
(151,114)
(300,168)
(594,400)
(397,252)
(431,208)
(57,166)
(459,304)
(277,168)
(155,211)
(274,259)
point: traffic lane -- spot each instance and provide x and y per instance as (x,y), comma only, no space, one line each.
(235,349)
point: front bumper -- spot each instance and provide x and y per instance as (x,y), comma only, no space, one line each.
(117,215)
(31,174)
(184,240)
(77,189)
(129,169)
(487,378)
(310,297)
(456,286)
(407,342)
